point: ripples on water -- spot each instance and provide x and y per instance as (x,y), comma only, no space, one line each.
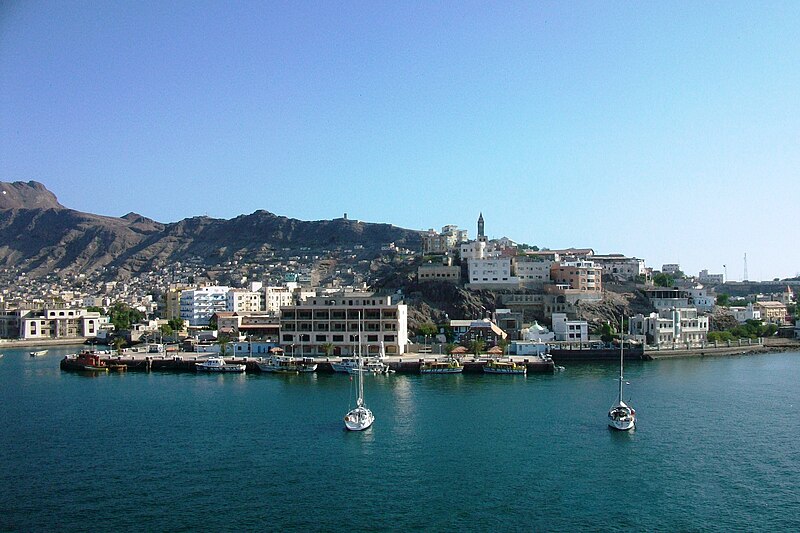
(717,448)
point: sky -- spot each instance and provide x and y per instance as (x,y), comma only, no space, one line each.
(668,131)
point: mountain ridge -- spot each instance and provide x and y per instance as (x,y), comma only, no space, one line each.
(39,235)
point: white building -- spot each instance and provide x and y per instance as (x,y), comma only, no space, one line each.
(619,267)
(335,319)
(705,277)
(570,330)
(277,297)
(670,268)
(244,301)
(700,298)
(532,272)
(492,271)
(743,314)
(671,326)
(199,305)
(61,324)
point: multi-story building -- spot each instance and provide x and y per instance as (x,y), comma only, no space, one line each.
(439,272)
(199,305)
(582,276)
(772,312)
(705,277)
(444,242)
(667,297)
(532,272)
(671,326)
(335,319)
(566,330)
(244,301)
(743,314)
(670,268)
(700,298)
(620,268)
(277,297)
(491,272)
(60,324)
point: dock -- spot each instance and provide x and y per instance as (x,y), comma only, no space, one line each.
(185,362)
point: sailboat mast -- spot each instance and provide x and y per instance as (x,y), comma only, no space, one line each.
(360,363)
(621,355)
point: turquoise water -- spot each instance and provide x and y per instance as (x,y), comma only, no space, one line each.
(717,447)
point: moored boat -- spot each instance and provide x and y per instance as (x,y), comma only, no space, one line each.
(87,360)
(504,367)
(218,364)
(451,366)
(285,364)
(38,353)
(361,417)
(621,416)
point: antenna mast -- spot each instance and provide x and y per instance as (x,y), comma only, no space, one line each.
(745,267)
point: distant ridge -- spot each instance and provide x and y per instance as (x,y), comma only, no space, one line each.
(40,235)
(30,195)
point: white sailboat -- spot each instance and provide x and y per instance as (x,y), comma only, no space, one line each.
(360,418)
(621,416)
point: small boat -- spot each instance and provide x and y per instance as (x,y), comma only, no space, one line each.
(451,366)
(90,360)
(361,417)
(218,364)
(621,416)
(504,367)
(38,353)
(285,364)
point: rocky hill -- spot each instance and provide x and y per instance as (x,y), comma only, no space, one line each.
(40,235)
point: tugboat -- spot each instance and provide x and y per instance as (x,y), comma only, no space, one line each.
(87,360)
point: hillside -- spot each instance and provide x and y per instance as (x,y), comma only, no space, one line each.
(38,235)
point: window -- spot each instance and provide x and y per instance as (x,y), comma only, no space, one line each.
(321,338)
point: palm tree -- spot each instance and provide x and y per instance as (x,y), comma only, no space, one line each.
(119,342)
(223,341)
(477,346)
(327,348)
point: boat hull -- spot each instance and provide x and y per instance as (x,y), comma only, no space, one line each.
(518,371)
(222,369)
(441,370)
(358,419)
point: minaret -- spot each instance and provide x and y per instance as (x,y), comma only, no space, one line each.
(481,236)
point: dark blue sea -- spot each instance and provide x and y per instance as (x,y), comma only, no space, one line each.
(717,448)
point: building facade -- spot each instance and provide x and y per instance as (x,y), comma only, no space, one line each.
(199,305)
(682,326)
(335,319)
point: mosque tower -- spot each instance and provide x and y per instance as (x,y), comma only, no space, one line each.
(481,234)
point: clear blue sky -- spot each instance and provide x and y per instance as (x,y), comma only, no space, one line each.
(667,131)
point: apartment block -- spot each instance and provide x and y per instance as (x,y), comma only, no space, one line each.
(335,319)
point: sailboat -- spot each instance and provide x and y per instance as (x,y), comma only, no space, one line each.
(360,418)
(621,416)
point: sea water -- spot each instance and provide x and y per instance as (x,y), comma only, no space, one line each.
(716,447)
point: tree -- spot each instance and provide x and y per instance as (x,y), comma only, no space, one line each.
(503,343)
(427,328)
(176,324)
(123,316)
(223,342)
(327,348)
(212,323)
(663,280)
(96,309)
(119,342)
(723,300)
(477,346)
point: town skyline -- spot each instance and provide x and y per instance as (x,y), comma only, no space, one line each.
(659,131)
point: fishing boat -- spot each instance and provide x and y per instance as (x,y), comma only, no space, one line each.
(285,364)
(87,360)
(38,353)
(361,417)
(218,364)
(504,367)
(621,416)
(451,366)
